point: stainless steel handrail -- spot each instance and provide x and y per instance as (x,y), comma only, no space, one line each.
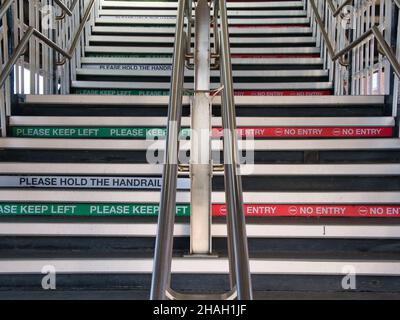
(4,7)
(78,33)
(166,218)
(374,31)
(20,49)
(65,9)
(237,239)
(325,35)
(233,183)
(338,10)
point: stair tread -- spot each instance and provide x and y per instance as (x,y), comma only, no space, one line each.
(101,196)
(378,169)
(166,85)
(336,101)
(236,73)
(349,228)
(234,50)
(197,265)
(233,31)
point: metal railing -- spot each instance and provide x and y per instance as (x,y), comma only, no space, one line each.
(237,239)
(41,47)
(356,38)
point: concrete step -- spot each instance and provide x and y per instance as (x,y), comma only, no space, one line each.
(173,5)
(237,86)
(233,31)
(171,13)
(168,50)
(94,100)
(337,228)
(168,38)
(164,18)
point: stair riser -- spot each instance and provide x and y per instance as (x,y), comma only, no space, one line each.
(152,133)
(273,111)
(275,287)
(104,209)
(260,157)
(124,245)
(297,183)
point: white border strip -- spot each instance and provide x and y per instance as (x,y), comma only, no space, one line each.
(257,145)
(259,230)
(19,168)
(332,101)
(216,121)
(196,266)
(111,196)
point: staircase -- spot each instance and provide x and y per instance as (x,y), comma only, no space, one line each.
(322,200)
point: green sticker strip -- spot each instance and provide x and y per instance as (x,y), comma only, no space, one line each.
(123,92)
(91,132)
(85,209)
(125,55)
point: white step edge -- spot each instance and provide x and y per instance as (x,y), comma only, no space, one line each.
(140,17)
(214,73)
(231,13)
(199,266)
(166,85)
(165,22)
(74,196)
(335,101)
(230,5)
(232,30)
(158,39)
(169,50)
(258,230)
(267,145)
(18,168)
(167,61)
(216,121)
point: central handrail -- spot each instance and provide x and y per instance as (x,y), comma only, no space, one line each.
(166,217)
(240,269)
(237,238)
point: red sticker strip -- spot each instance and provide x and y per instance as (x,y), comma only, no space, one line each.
(244,26)
(303,210)
(283,92)
(310,132)
(272,56)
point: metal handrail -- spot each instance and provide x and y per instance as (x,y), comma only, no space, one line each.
(4,8)
(78,33)
(65,9)
(338,10)
(233,183)
(166,217)
(237,239)
(374,31)
(20,49)
(325,35)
